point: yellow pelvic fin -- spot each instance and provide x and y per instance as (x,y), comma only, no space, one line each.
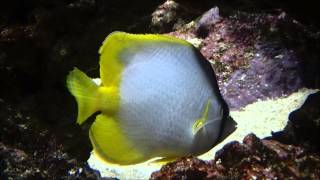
(201,121)
(111,144)
(110,62)
(164,160)
(90,97)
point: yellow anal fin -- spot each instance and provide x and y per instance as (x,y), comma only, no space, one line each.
(201,121)
(111,144)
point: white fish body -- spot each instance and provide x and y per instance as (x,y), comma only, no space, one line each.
(169,102)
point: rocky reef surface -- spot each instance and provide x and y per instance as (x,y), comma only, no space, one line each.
(29,150)
(258,50)
(252,159)
(255,55)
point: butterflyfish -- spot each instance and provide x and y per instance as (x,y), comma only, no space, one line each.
(158,97)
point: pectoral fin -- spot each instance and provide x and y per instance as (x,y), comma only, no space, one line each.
(201,121)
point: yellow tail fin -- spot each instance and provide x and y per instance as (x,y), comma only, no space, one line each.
(86,93)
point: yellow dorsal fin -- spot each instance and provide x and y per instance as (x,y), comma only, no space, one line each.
(110,143)
(110,62)
(201,121)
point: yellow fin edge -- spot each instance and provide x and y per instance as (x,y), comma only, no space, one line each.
(110,62)
(110,143)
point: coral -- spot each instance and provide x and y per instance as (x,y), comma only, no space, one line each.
(256,55)
(273,72)
(189,168)
(252,159)
(168,16)
(207,21)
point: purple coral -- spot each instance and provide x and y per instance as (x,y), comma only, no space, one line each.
(273,72)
